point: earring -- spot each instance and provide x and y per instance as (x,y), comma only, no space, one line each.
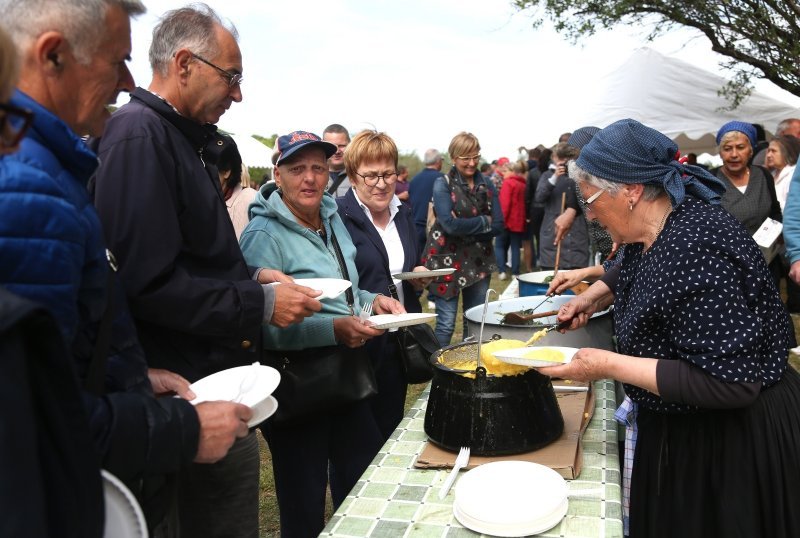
(630,205)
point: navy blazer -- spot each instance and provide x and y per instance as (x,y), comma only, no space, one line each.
(372,260)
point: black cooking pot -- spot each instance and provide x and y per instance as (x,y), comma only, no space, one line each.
(493,415)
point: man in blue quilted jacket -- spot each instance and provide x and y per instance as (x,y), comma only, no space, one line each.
(73,64)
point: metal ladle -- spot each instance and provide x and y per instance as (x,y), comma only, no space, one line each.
(483,320)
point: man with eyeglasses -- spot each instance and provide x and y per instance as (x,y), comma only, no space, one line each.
(199,308)
(338,184)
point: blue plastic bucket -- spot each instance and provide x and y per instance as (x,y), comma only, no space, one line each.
(533,284)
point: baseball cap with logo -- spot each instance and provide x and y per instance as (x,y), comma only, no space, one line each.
(289,144)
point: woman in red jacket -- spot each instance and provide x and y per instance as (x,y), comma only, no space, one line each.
(512,202)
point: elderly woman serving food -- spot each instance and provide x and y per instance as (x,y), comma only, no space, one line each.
(703,342)
(299,231)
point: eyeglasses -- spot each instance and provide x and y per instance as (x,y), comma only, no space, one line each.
(233,79)
(587,203)
(14,123)
(474,158)
(372,179)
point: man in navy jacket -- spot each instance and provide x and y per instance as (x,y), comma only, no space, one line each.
(198,307)
(52,248)
(420,192)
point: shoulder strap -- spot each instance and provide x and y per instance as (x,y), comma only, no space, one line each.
(349,291)
(392,286)
(336,182)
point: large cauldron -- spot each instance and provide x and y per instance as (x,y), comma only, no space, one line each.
(493,415)
(597,333)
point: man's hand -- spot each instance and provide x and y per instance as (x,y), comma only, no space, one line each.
(167,383)
(293,303)
(220,424)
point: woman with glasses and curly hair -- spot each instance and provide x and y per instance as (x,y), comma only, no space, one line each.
(468,216)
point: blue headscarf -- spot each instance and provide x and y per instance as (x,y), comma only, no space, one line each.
(745,128)
(628,152)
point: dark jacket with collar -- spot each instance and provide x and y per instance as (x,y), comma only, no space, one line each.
(196,307)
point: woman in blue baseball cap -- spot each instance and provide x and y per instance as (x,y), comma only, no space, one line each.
(322,433)
(702,341)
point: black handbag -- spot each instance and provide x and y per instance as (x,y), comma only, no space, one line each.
(318,380)
(322,379)
(416,344)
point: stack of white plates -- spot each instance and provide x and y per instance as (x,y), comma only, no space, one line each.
(226,384)
(124,516)
(510,498)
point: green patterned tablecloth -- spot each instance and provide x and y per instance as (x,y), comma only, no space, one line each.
(393,499)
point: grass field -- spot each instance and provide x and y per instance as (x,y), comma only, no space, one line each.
(268,512)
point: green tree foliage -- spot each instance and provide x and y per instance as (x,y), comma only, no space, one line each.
(761,38)
(411,161)
(268,140)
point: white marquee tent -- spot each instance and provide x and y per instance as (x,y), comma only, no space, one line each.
(680,100)
(254,153)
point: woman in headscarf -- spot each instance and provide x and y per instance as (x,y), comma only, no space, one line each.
(749,190)
(703,342)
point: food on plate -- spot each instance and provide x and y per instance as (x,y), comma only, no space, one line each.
(545,354)
(493,365)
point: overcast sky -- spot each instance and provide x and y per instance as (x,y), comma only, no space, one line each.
(421,70)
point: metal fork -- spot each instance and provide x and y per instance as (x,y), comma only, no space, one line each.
(461,461)
(366,311)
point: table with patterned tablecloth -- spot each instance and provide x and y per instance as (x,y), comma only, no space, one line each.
(395,499)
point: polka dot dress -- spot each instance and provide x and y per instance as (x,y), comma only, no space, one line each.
(701,293)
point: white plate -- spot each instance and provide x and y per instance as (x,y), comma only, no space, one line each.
(510,498)
(262,411)
(124,516)
(390,321)
(431,273)
(517,356)
(330,287)
(225,385)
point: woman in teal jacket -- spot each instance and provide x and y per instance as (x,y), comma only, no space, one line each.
(296,229)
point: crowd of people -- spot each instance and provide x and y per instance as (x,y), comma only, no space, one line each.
(135,259)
